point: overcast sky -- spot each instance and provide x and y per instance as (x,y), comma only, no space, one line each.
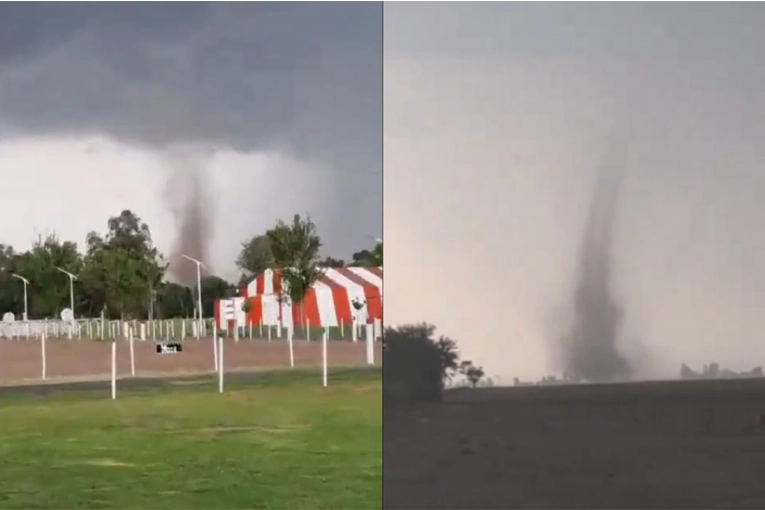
(496,120)
(280,104)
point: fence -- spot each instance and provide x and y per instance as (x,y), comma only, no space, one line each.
(171,329)
(57,351)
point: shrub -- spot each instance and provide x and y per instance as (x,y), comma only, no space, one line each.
(415,366)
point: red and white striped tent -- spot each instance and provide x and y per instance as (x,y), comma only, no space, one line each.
(342,295)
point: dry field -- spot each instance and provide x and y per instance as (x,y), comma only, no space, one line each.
(680,444)
(21,360)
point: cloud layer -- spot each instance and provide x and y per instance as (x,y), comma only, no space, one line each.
(300,82)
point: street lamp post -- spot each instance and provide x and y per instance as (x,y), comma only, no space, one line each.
(72,278)
(200,265)
(26,282)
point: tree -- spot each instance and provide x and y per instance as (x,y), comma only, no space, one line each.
(174,300)
(377,255)
(11,290)
(416,364)
(471,372)
(123,283)
(130,234)
(295,248)
(49,289)
(256,256)
(369,258)
(332,262)
(123,269)
(213,288)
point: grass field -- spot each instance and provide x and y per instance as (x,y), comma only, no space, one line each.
(283,442)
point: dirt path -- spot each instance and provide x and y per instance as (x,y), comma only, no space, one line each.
(21,360)
(617,447)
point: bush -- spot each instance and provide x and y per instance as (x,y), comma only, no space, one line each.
(415,366)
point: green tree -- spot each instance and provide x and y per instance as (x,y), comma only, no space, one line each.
(123,282)
(256,256)
(332,262)
(11,289)
(48,288)
(174,300)
(369,258)
(123,269)
(295,247)
(213,288)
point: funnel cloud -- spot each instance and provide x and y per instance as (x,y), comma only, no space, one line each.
(591,348)
(189,203)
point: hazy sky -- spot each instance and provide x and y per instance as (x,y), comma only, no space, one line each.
(497,117)
(280,103)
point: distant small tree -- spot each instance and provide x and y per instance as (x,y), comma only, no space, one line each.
(332,262)
(246,306)
(471,372)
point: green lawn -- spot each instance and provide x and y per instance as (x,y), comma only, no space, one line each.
(285,442)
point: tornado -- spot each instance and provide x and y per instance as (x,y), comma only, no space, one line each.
(185,192)
(591,347)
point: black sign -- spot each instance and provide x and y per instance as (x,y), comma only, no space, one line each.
(169,348)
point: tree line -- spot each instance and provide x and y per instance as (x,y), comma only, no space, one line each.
(121,274)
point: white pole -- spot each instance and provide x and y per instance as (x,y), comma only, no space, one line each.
(308,330)
(132,352)
(71,294)
(354,330)
(324,358)
(290,333)
(215,349)
(183,329)
(26,309)
(370,344)
(114,369)
(269,332)
(250,330)
(220,364)
(199,297)
(44,358)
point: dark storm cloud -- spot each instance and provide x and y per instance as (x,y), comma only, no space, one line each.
(305,78)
